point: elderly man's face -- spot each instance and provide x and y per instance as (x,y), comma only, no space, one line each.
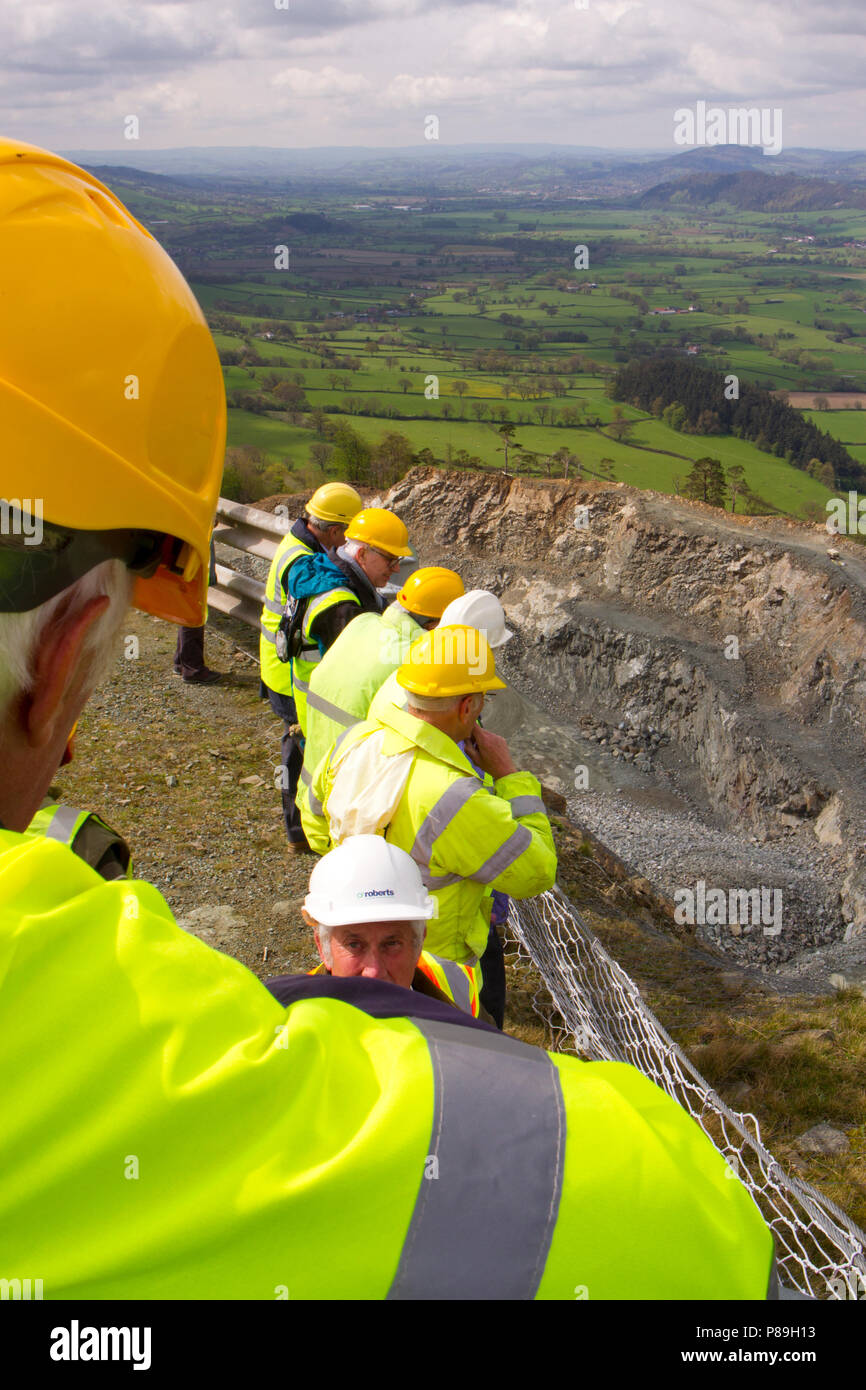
(377,950)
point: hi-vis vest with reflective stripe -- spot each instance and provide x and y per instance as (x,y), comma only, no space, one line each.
(348,676)
(226,1147)
(87,834)
(304,665)
(275,673)
(464,840)
(458,982)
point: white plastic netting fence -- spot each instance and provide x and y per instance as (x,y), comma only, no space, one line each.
(602,1017)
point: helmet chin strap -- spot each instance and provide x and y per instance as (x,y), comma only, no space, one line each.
(69,750)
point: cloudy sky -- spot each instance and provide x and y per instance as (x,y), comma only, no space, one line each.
(350,72)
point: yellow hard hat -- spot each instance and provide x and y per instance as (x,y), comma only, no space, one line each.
(112,407)
(380,528)
(335,503)
(428,592)
(452,660)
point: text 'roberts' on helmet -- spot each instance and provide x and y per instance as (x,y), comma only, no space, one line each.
(334,503)
(479,608)
(112,407)
(377,527)
(454,660)
(429,591)
(365,879)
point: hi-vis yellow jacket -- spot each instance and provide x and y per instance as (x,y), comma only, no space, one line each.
(276,674)
(171,1131)
(399,776)
(292,677)
(344,682)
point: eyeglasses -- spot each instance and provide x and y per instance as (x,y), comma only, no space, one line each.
(392,561)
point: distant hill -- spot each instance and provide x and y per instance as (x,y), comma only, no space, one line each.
(139,178)
(485,170)
(752,191)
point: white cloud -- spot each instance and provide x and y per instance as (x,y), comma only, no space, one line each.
(209,71)
(327,82)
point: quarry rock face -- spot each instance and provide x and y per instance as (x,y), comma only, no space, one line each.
(733,646)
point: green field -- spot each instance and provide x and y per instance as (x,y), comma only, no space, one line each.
(377,303)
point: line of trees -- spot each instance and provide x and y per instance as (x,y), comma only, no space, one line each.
(692,399)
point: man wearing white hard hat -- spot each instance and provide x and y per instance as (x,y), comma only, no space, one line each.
(479,609)
(369,911)
(482,610)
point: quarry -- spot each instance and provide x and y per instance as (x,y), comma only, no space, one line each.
(692,684)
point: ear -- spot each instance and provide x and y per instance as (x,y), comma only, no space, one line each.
(56,667)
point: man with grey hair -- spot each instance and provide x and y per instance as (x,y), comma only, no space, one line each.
(369,912)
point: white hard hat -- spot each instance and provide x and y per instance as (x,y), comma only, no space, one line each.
(480,609)
(367,880)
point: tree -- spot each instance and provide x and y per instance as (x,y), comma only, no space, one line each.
(827,476)
(320,454)
(674,415)
(391,457)
(291,396)
(249,475)
(564,457)
(405,385)
(479,410)
(707,422)
(737,483)
(351,456)
(460,388)
(506,434)
(820,403)
(706,482)
(620,428)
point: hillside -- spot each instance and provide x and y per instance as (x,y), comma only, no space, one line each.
(754,191)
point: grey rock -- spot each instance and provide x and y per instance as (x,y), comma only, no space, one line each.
(823,1139)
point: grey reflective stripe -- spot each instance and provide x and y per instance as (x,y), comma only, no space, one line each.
(314,802)
(343,735)
(457,983)
(433,881)
(446,808)
(322,602)
(274,606)
(340,716)
(526,806)
(267,634)
(298,683)
(482,1226)
(62,825)
(514,846)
